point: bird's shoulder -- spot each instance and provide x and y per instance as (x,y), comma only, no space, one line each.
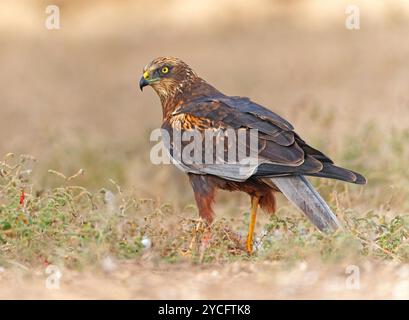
(187,121)
(231,110)
(224,112)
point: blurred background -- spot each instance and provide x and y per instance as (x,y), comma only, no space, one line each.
(70,97)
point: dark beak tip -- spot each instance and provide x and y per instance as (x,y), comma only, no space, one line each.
(142,83)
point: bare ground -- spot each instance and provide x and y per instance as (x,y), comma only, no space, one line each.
(269,280)
(71,99)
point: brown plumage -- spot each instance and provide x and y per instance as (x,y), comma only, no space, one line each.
(190,103)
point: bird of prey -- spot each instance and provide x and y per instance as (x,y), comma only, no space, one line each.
(283,158)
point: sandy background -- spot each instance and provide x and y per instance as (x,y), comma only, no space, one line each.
(70,98)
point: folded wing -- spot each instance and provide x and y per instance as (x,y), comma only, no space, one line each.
(279,150)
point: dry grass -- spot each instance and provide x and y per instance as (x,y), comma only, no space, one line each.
(70,98)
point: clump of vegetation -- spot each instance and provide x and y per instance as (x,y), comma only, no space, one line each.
(71,226)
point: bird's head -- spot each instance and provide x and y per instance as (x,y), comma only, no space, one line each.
(167,76)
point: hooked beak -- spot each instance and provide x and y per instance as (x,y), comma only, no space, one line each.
(143,83)
(144,80)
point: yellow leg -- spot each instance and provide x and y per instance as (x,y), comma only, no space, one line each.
(253,214)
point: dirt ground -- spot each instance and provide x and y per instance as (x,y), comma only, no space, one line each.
(70,98)
(269,280)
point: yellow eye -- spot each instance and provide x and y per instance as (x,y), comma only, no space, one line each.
(165,70)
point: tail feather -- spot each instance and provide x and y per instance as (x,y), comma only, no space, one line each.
(300,192)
